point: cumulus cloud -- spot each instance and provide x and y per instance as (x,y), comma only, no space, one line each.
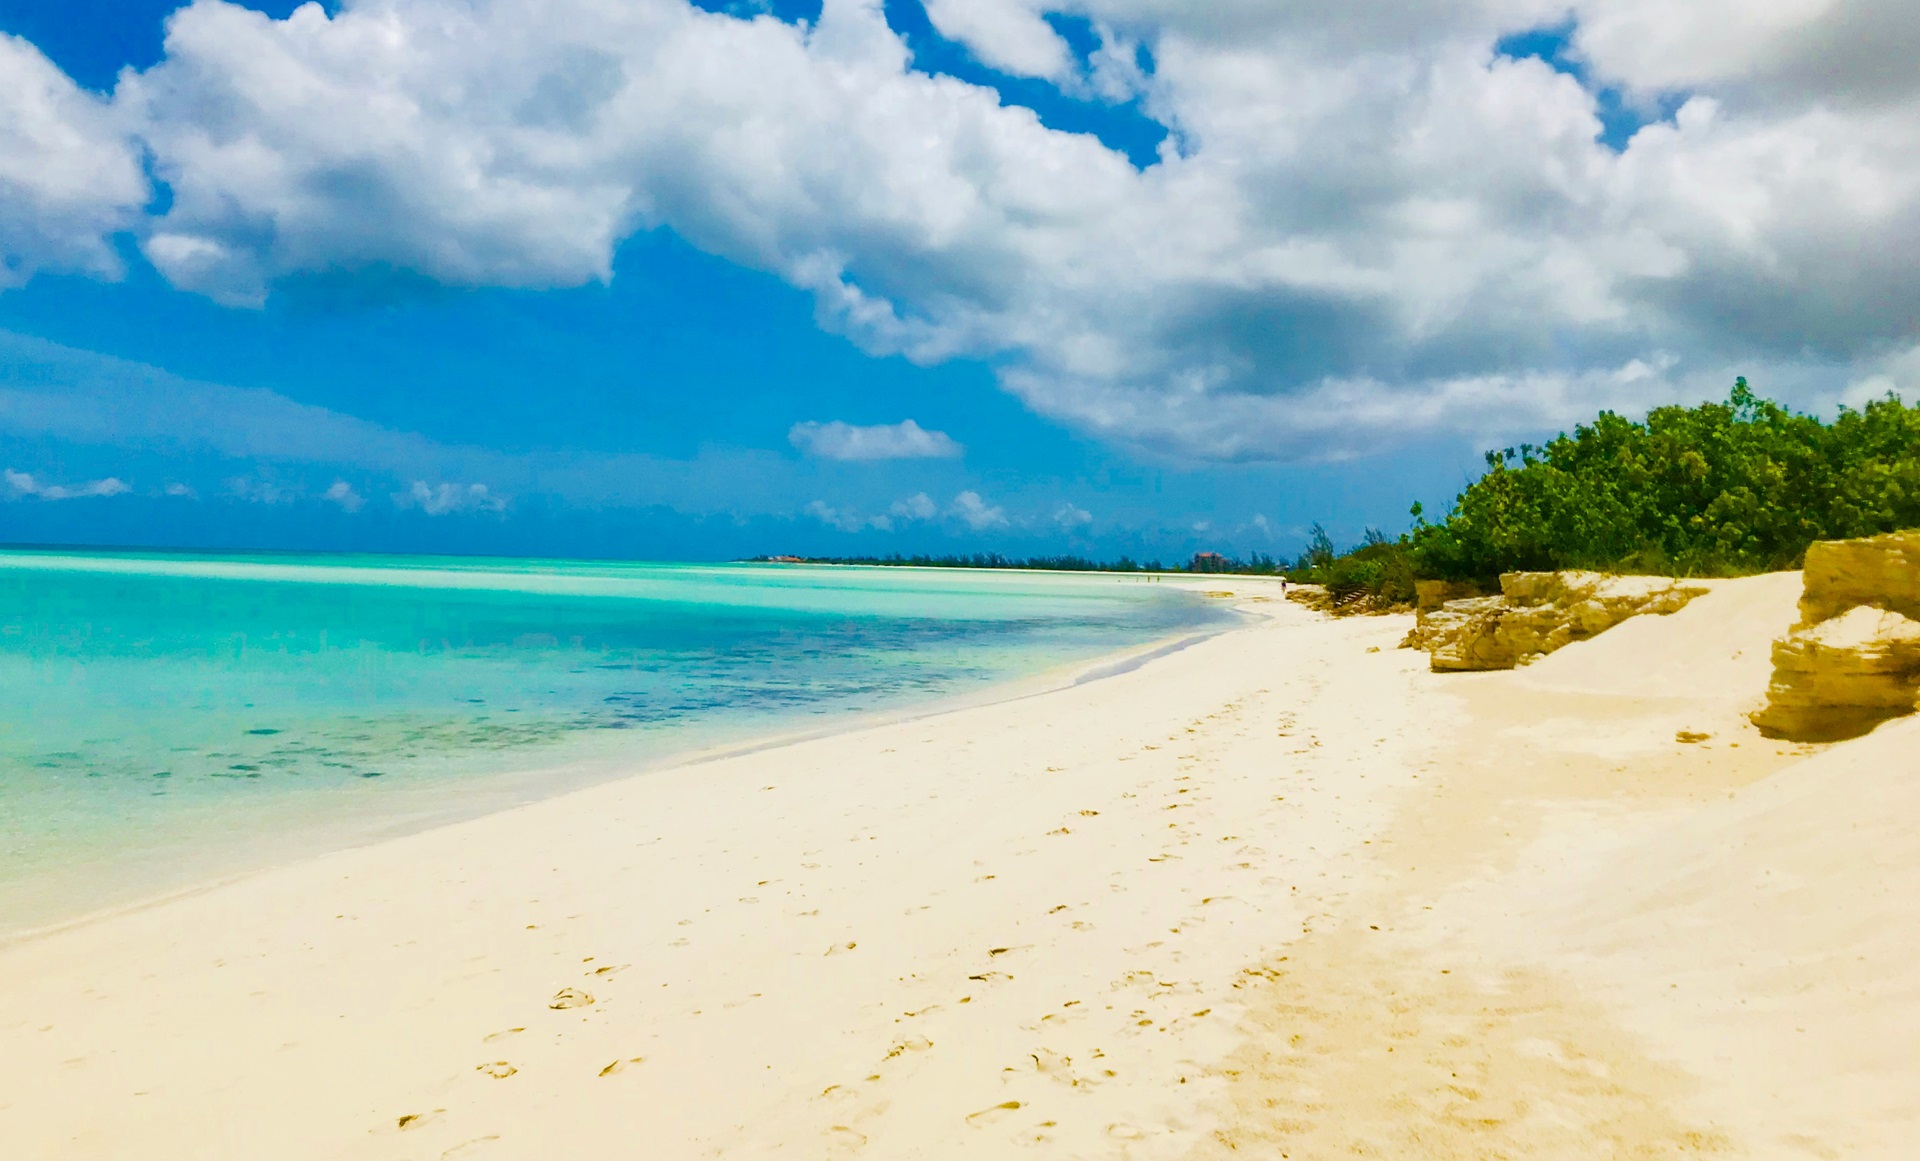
(918,506)
(68,176)
(1366,221)
(969,508)
(444,499)
(976,513)
(905,440)
(1071,517)
(23,484)
(342,493)
(846,519)
(1009,35)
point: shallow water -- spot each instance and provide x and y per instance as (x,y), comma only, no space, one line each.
(167,719)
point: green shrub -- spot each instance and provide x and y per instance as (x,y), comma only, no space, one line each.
(1722,489)
(1378,569)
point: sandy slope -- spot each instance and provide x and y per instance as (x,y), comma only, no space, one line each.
(1278,894)
(1594,940)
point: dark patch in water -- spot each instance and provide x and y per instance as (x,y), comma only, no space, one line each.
(372,773)
(264,732)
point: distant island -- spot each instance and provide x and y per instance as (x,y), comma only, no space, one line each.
(1202,562)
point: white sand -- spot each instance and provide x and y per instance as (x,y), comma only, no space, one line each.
(1275,894)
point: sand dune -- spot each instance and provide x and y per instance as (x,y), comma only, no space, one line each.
(1282,893)
(1766,943)
(1718,645)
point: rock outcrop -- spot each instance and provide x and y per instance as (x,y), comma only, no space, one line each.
(1854,659)
(1429,595)
(1881,571)
(1843,676)
(1535,614)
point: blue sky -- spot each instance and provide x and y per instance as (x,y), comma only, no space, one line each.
(1119,314)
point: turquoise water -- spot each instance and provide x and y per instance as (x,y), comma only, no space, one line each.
(168,719)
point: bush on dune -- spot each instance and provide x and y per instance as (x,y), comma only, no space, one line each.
(1722,489)
(1377,571)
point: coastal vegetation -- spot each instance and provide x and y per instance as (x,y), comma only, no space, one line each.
(1206,562)
(1720,489)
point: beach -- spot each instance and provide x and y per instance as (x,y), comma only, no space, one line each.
(1282,892)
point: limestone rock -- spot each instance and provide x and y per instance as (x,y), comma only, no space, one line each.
(1464,634)
(1882,571)
(1842,677)
(1431,594)
(1537,613)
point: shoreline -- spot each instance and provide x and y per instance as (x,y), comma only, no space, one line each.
(511,789)
(1279,890)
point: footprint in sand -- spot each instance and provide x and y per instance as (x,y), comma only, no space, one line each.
(497,1069)
(569,998)
(469,1148)
(415,1120)
(620,1065)
(612,969)
(845,1137)
(1049,1062)
(501,1035)
(990,1115)
(910,1044)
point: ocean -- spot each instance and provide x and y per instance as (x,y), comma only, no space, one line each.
(173,719)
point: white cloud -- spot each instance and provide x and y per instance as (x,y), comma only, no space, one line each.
(22,484)
(1071,518)
(1009,35)
(181,491)
(444,499)
(1364,204)
(905,440)
(846,519)
(340,492)
(976,513)
(1783,51)
(262,490)
(68,176)
(968,508)
(918,506)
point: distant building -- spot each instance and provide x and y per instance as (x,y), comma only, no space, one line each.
(1210,562)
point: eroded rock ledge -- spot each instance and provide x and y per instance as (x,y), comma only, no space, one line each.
(1535,613)
(1853,661)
